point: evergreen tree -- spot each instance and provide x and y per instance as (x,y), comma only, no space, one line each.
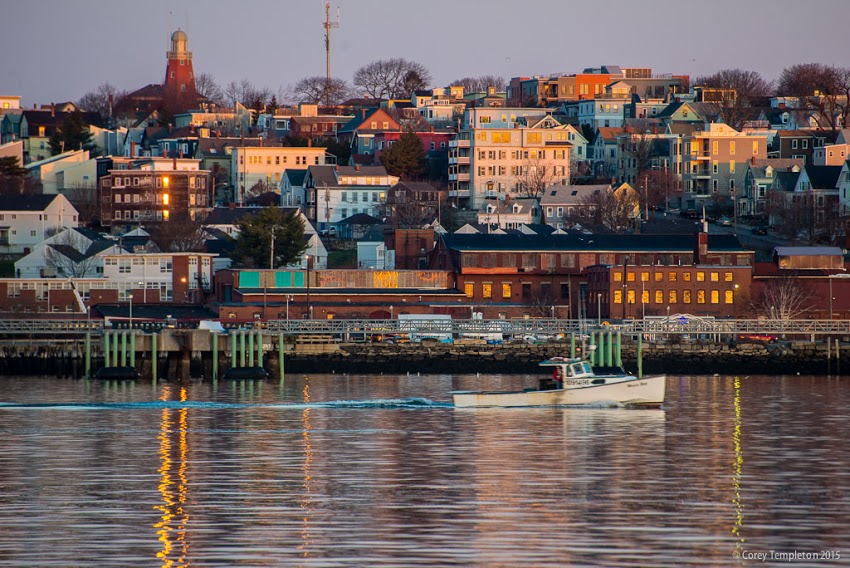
(405,158)
(253,245)
(74,134)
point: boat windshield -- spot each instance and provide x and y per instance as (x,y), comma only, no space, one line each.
(586,367)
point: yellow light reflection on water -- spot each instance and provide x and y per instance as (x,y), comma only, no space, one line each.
(737,466)
(306,500)
(173,507)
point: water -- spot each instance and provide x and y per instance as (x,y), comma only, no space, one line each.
(381,471)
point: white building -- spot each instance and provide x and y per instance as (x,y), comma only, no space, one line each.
(335,193)
(26,220)
(250,165)
(70,253)
(507,150)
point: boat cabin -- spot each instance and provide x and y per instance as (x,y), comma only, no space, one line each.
(569,368)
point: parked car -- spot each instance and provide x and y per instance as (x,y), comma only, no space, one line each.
(759,230)
(757,338)
(724,221)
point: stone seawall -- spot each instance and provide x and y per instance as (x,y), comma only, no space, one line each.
(65,358)
(686,359)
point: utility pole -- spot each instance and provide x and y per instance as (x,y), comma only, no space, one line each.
(329,25)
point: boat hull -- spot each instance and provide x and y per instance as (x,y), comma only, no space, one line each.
(647,391)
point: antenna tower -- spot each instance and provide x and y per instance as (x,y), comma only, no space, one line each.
(328,24)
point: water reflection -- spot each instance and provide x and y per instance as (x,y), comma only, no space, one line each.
(737,466)
(173,510)
(379,471)
(306,499)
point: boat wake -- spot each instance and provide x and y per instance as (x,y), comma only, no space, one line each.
(412,403)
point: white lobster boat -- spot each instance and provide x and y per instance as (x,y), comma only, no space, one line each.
(574,382)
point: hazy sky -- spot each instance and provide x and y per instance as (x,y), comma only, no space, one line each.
(57,50)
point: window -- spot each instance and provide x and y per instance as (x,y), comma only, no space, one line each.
(644,276)
(618,296)
(631,296)
(794,144)
(487,289)
(732,147)
(700,296)
(686,296)
(715,296)
(686,276)
(165,266)
(672,297)
(700,276)
(715,147)
(565,290)
(506,289)
(659,296)
(714,166)
(618,276)
(469,289)
(671,277)
(715,276)
(659,276)
(644,297)
(755,147)
(630,276)
(727,276)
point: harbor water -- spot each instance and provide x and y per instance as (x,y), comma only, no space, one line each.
(381,470)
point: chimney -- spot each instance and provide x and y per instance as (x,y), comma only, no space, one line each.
(52,109)
(232,205)
(753,160)
(700,247)
(174,166)
(310,142)
(261,142)
(363,114)
(357,168)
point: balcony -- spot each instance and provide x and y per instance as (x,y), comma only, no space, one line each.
(459,193)
(462,160)
(459,177)
(458,143)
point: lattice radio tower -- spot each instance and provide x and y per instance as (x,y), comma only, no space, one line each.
(328,24)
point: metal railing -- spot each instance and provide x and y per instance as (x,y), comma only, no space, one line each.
(674,325)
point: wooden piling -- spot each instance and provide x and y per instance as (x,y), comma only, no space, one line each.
(280,356)
(214,356)
(640,356)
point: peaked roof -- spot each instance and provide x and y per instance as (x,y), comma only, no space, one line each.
(230,216)
(823,177)
(559,194)
(26,202)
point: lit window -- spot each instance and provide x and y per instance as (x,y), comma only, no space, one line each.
(700,276)
(659,296)
(506,289)
(730,296)
(672,297)
(618,296)
(727,276)
(469,289)
(715,296)
(671,277)
(487,290)
(715,276)
(686,296)
(700,296)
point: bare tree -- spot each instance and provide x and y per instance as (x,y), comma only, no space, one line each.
(605,208)
(246,93)
(662,187)
(206,87)
(391,78)
(480,84)
(179,236)
(784,298)
(825,90)
(102,100)
(738,89)
(639,145)
(535,174)
(66,255)
(84,199)
(312,90)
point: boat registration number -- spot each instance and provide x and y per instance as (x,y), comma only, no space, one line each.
(579,382)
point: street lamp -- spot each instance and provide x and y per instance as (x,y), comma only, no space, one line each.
(131,310)
(599,310)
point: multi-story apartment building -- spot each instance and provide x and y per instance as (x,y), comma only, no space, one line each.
(260,168)
(335,193)
(714,160)
(592,83)
(507,150)
(155,191)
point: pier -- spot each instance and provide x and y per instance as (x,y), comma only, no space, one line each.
(79,348)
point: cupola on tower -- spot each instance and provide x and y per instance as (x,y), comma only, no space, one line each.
(179,93)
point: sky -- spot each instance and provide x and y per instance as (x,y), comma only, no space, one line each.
(58,50)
